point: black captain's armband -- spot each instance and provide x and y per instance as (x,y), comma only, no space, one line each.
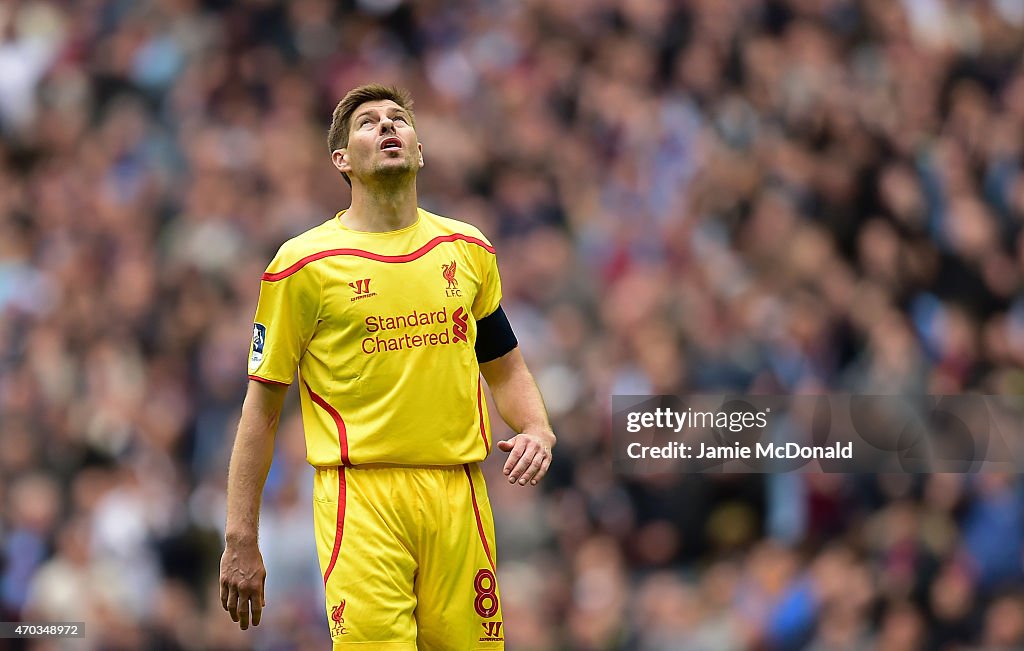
(494,336)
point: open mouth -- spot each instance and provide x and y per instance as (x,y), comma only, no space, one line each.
(390,144)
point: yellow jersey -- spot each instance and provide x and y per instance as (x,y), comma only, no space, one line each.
(381,328)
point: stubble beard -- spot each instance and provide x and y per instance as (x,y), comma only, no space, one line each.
(392,172)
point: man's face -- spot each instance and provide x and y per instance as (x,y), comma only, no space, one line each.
(381,141)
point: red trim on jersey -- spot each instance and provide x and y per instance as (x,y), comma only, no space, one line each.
(479,521)
(266,381)
(480,409)
(340,531)
(408,257)
(338,421)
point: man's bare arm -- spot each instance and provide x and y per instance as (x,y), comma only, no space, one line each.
(519,402)
(242,573)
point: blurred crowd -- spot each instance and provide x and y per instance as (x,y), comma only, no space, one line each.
(770,196)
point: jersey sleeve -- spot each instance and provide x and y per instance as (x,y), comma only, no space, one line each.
(489,296)
(286,316)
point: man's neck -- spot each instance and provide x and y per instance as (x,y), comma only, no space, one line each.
(379,209)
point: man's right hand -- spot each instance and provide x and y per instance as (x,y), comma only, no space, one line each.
(242,581)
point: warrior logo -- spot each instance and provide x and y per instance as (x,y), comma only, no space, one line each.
(338,619)
(492,632)
(362,286)
(362,289)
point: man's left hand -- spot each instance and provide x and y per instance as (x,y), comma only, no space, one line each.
(530,455)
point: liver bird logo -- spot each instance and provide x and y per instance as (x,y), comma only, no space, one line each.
(338,612)
(337,616)
(448,271)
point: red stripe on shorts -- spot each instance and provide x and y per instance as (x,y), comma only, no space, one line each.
(340,530)
(479,521)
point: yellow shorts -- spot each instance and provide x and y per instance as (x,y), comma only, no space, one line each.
(407,555)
